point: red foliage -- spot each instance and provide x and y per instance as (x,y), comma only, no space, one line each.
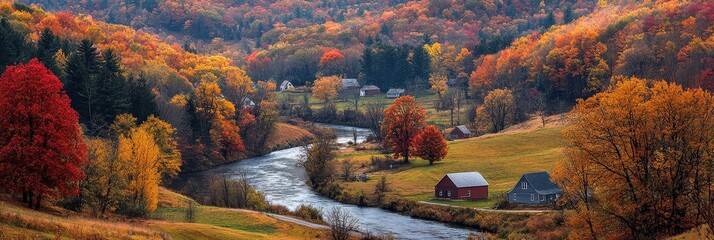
(232,143)
(430,145)
(403,121)
(331,56)
(41,147)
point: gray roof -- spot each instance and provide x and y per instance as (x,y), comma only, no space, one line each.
(540,181)
(463,129)
(396,90)
(349,82)
(467,179)
(370,87)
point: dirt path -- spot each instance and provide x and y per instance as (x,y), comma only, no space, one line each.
(492,210)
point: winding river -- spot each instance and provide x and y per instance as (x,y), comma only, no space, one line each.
(282,179)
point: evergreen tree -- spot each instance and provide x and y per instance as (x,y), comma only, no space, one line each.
(47,46)
(549,20)
(568,15)
(81,78)
(14,46)
(112,90)
(142,99)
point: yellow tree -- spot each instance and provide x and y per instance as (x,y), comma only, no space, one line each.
(105,178)
(438,84)
(638,161)
(169,157)
(141,152)
(436,57)
(497,109)
(326,88)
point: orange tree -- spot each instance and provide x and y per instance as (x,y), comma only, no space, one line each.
(430,145)
(403,121)
(41,147)
(639,162)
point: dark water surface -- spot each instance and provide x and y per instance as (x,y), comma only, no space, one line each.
(282,179)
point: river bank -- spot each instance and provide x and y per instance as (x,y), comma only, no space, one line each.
(281,178)
(501,158)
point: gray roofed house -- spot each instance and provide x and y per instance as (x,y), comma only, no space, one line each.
(534,188)
(350,83)
(395,92)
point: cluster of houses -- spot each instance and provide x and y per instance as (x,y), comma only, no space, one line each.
(532,188)
(352,84)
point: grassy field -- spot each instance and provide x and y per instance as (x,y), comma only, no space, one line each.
(17,222)
(428,101)
(500,158)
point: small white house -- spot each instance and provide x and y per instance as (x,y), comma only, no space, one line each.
(247,103)
(286,86)
(395,92)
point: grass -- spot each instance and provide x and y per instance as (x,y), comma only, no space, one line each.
(17,222)
(287,135)
(428,101)
(501,159)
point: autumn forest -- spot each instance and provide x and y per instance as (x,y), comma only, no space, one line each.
(129,113)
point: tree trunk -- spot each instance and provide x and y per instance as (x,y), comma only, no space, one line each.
(24,195)
(406,156)
(37,202)
(29,199)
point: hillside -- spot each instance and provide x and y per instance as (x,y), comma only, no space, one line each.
(502,158)
(282,39)
(211,223)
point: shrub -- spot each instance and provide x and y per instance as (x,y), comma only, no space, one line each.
(308,212)
(277,209)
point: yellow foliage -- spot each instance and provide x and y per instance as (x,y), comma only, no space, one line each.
(169,157)
(141,151)
(326,88)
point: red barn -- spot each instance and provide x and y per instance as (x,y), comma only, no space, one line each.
(464,185)
(460,132)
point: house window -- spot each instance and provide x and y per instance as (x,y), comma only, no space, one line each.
(448,193)
(557,196)
(524,185)
(441,193)
(532,197)
(514,197)
(542,198)
(468,193)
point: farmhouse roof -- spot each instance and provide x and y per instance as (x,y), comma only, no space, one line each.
(370,87)
(467,179)
(463,129)
(349,83)
(540,181)
(396,90)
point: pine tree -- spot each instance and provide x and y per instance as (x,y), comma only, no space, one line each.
(81,77)
(142,99)
(14,46)
(112,90)
(47,47)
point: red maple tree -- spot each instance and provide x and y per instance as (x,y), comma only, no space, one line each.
(430,145)
(403,121)
(41,146)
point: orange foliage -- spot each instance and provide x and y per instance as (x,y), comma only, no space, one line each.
(403,121)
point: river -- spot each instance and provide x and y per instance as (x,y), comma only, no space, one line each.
(282,179)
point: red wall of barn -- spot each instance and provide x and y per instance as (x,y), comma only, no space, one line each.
(459,193)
